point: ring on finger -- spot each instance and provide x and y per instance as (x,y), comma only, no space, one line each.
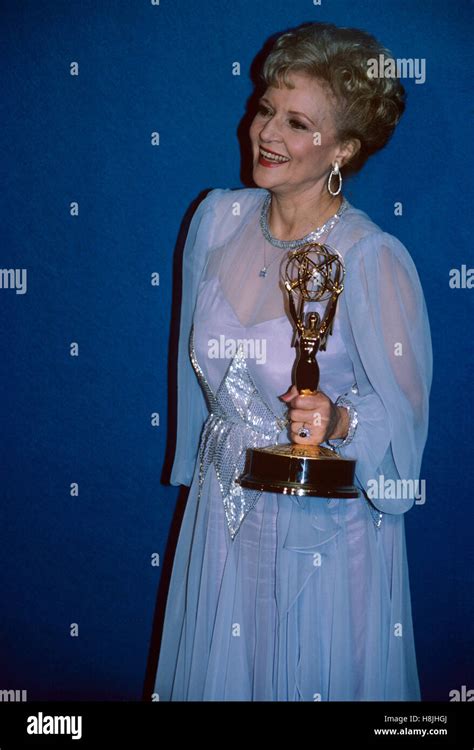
(304,432)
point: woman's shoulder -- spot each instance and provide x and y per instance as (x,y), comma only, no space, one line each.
(223,198)
(358,235)
(355,225)
(230,206)
(237,201)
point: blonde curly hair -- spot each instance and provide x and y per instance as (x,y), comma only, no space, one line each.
(367,108)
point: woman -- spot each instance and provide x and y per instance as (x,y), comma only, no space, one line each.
(275,597)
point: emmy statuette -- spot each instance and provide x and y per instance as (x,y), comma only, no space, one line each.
(314,272)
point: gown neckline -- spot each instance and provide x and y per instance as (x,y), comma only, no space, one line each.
(220,290)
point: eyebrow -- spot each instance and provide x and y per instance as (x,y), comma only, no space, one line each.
(290,111)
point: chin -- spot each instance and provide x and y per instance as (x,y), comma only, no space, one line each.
(262,177)
(258,179)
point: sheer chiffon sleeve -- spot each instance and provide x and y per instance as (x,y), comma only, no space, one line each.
(387,334)
(192,409)
(218,217)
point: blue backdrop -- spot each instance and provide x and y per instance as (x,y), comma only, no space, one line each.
(116,117)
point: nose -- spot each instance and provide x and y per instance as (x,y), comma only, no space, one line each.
(270,131)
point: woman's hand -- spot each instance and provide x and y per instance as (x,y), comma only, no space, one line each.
(317,413)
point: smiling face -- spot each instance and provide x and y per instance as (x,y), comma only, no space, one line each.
(288,155)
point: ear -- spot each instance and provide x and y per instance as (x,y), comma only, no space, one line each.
(347,151)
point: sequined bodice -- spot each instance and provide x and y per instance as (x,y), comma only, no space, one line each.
(242,371)
(238,419)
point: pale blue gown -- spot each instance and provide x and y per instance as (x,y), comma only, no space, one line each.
(272,597)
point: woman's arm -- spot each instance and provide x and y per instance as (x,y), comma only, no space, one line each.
(192,408)
(386,329)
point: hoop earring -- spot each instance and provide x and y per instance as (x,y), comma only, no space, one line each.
(335,172)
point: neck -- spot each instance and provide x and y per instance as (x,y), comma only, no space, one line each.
(291,217)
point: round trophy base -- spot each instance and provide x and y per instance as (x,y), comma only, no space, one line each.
(293,469)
